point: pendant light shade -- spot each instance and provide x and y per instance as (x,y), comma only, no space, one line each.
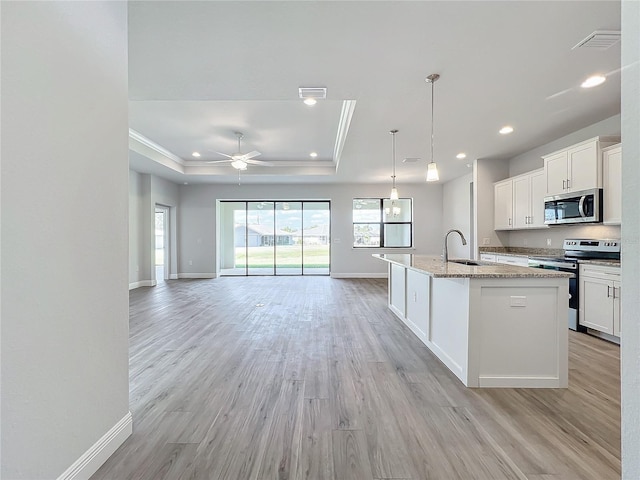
(393,196)
(432,172)
(432,169)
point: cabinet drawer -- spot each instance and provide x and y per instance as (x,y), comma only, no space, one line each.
(487,257)
(600,271)
(519,261)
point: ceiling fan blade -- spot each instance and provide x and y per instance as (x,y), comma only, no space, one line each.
(219,161)
(258,162)
(224,154)
(249,155)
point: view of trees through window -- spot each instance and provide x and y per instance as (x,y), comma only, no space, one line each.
(381,222)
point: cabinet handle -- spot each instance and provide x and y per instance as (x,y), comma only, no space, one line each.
(568,184)
(509,222)
(563,183)
(609,291)
(614,292)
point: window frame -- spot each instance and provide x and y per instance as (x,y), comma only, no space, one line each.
(382,223)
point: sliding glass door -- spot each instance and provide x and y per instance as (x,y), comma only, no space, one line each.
(274,237)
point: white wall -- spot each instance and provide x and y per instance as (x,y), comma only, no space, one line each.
(64,232)
(145,192)
(630,349)
(135,228)
(485,173)
(197,212)
(456,213)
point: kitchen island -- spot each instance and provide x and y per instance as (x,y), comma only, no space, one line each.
(491,325)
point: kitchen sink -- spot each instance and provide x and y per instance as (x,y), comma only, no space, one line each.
(462,261)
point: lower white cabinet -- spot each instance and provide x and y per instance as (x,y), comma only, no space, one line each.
(518,260)
(487,257)
(600,290)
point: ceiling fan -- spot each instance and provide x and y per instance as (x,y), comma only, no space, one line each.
(240,160)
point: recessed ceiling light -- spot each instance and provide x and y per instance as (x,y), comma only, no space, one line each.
(186,183)
(506,130)
(196,154)
(310,101)
(313,154)
(461,155)
(593,81)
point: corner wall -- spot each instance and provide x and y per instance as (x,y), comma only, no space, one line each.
(64,236)
(197,225)
(145,192)
(456,213)
(630,306)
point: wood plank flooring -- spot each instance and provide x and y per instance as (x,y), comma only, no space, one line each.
(314,378)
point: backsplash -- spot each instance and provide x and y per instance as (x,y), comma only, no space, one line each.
(553,237)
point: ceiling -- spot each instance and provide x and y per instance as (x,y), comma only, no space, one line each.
(200,71)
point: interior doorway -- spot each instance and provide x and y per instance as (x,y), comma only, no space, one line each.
(273,237)
(161,242)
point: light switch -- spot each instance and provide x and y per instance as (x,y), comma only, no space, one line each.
(518,301)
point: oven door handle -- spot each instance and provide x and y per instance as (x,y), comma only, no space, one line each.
(581,206)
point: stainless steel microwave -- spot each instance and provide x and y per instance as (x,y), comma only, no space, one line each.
(575,207)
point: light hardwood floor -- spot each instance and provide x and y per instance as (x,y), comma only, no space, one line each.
(314,378)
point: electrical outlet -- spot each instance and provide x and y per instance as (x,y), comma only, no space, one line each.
(190,262)
(548,242)
(486,241)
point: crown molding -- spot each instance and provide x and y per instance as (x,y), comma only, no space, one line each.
(348,107)
(150,149)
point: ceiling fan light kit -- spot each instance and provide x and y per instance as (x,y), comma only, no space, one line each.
(240,160)
(432,169)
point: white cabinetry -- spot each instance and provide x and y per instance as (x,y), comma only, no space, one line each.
(503,205)
(612,184)
(518,260)
(576,168)
(487,257)
(519,202)
(600,298)
(528,200)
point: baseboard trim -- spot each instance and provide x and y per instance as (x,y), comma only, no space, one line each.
(142,283)
(197,275)
(358,275)
(173,276)
(92,459)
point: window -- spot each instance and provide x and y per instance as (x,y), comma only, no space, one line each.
(382,223)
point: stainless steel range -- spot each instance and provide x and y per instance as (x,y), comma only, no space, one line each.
(576,249)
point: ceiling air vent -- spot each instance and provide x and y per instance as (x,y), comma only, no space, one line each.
(599,40)
(312,92)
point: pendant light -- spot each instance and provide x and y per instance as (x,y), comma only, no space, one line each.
(394,209)
(394,190)
(432,169)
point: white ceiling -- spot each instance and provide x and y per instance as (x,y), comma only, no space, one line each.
(199,71)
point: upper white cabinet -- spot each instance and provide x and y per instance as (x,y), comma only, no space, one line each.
(519,202)
(612,184)
(503,205)
(576,168)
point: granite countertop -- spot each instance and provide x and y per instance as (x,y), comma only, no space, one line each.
(604,262)
(435,267)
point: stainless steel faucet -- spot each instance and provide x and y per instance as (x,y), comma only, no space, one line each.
(445,252)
